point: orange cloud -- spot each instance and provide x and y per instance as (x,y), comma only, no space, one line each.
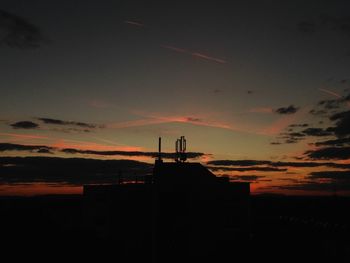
(15,136)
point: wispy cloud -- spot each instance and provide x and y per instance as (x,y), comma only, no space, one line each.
(17,32)
(23,136)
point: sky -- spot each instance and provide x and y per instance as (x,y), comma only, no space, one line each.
(260,89)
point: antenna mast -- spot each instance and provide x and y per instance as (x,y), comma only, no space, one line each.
(180,147)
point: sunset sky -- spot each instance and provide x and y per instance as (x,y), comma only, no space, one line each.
(260,89)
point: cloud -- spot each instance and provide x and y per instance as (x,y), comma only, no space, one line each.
(318,186)
(323,181)
(190,155)
(330,104)
(192,119)
(17,32)
(24,125)
(316,112)
(20,147)
(261,110)
(287,110)
(335,142)
(23,136)
(276,143)
(306,27)
(317,132)
(299,125)
(238,162)
(326,23)
(249,178)
(244,169)
(339,24)
(336,153)
(342,125)
(246,163)
(75,123)
(337,175)
(39,149)
(74,171)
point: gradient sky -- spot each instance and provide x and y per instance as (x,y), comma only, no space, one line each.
(231,77)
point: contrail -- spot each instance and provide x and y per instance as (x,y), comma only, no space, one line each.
(199,55)
(335,95)
(195,54)
(180,50)
(134,23)
(331,93)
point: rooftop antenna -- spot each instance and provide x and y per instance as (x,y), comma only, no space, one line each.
(160,149)
(180,147)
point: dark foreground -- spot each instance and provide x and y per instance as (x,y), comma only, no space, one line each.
(282,228)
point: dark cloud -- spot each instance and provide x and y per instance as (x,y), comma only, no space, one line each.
(24,125)
(339,24)
(17,32)
(39,148)
(249,92)
(330,104)
(342,125)
(336,175)
(287,110)
(323,181)
(249,178)
(61,122)
(297,134)
(306,27)
(316,112)
(246,163)
(194,119)
(190,155)
(71,130)
(298,125)
(318,186)
(44,150)
(19,147)
(317,132)
(244,169)
(326,23)
(75,171)
(295,137)
(335,142)
(275,143)
(238,162)
(336,153)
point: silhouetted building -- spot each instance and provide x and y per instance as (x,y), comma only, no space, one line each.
(183,210)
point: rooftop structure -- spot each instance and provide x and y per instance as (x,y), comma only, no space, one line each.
(182,207)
